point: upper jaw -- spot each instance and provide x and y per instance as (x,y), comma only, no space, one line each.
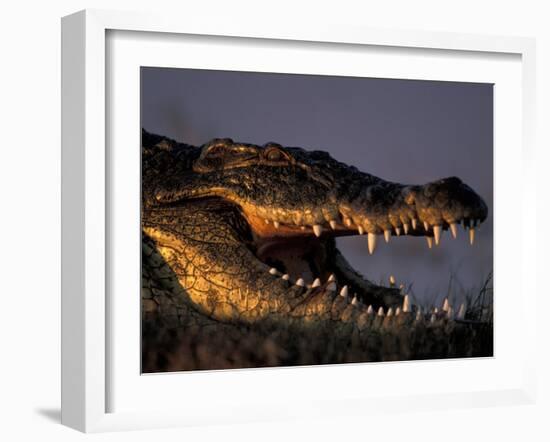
(384,208)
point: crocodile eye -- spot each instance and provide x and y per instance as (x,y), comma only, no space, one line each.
(275,155)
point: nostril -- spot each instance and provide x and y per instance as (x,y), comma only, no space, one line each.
(452,181)
(431,189)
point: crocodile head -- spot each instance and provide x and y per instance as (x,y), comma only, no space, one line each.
(268,215)
(239,255)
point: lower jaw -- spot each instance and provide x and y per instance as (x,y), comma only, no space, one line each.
(312,261)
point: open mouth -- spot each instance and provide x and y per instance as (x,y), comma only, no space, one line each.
(306,254)
(264,221)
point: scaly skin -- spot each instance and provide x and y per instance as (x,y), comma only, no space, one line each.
(222,224)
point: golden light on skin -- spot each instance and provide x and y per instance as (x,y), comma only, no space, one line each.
(218,290)
(215,283)
(267,223)
(268,230)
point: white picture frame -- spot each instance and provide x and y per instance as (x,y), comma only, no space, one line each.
(86,317)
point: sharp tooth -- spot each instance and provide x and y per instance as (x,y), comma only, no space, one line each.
(276,224)
(426,226)
(380,311)
(370,311)
(317,229)
(432,318)
(446,305)
(472,235)
(450,313)
(331,278)
(453,229)
(392,280)
(413,223)
(406,304)
(398,231)
(461,312)
(300,282)
(347,222)
(273,271)
(316,283)
(429,239)
(332,224)
(331,287)
(355,301)
(418,315)
(387,235)
(406,228)
(360,230)
(397,311)
(435,310)
(266,221)
(372,242)
(344,291)
(390,312)
(286,277)
(437,234)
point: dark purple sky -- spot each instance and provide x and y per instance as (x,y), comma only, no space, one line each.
(408,131)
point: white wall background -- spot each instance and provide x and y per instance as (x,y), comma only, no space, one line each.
(30,215)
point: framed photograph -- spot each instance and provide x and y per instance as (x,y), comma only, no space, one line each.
(258,225)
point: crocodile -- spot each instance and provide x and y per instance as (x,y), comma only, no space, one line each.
(240,266)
